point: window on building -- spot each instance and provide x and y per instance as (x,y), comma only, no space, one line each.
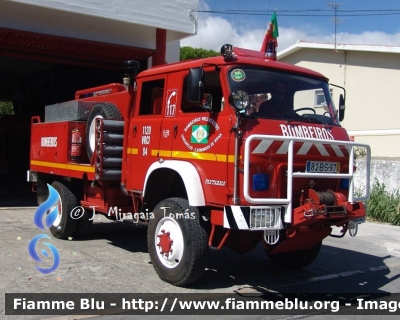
(320,98)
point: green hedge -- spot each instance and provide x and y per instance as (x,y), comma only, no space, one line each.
(383,205)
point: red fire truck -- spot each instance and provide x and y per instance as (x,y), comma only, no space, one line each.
(233,150)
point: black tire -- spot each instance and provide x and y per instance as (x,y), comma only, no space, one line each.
(103,110)
(185,263)
(296,259)
(64,226)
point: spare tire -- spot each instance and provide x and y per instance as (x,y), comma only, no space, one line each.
(102,110)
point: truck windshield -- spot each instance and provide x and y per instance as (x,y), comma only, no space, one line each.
(279,95)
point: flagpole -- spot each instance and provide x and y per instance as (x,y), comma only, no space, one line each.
(270,42)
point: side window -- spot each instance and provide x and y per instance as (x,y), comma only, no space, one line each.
(212,87)
(151,100)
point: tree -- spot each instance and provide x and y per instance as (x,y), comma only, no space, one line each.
(6,108)
(187,53)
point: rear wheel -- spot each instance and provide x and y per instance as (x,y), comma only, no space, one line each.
(106,111)
(177,242)
(64,225)
(296,259)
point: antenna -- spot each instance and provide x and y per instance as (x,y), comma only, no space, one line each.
(238,27)
(335,6)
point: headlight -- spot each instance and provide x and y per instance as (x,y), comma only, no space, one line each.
(263,218)
(240,99)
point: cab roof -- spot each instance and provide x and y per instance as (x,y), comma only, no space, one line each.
(242,57)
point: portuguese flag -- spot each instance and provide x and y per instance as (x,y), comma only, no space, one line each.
(271,34)
(274,26)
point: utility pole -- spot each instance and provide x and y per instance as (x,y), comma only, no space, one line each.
(335,6)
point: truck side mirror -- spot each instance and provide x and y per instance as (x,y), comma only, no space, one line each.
(207,101)
(195,85)
(342,107)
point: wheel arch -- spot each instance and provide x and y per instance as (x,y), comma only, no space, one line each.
(182,171)
(76,185)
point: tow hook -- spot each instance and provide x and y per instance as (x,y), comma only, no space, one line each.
(353,228)
(343,232)
(308,213)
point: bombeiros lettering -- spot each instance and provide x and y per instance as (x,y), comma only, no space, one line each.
(48,142)
(301,131)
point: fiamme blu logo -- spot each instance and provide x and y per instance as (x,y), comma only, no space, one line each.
(47,211)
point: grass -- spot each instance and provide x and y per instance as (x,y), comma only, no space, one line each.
(383,205)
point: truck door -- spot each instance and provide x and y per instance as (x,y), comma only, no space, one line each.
(145,131)
(201,137)
(168,125)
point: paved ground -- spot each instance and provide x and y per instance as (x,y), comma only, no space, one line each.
(113,258)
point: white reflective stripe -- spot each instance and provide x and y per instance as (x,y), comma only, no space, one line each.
(226,222)
(283,148)
(239,218)
(263,146)
(322,149)
(337,150)
(305,148)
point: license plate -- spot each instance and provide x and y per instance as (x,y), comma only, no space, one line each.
(359,220)
(322,167)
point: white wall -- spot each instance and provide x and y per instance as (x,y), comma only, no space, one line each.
(371,82)
(386,171)
(124,22)
(170,15)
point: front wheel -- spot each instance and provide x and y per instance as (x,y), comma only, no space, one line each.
(177,242)
(296,259)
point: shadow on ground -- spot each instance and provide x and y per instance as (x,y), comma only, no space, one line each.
(335,270)
(15,191)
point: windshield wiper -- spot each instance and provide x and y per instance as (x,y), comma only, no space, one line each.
(312,120)
(304,119)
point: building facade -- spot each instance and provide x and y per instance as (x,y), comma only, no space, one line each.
(49,49)
(370,76)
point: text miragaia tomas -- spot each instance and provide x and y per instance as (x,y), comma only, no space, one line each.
(78,212)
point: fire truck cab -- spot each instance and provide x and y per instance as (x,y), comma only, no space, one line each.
(233,150)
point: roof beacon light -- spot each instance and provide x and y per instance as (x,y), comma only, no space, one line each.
(227,51)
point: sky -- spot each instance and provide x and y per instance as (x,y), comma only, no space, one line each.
(243,23)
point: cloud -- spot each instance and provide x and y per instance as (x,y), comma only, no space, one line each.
(214,31)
